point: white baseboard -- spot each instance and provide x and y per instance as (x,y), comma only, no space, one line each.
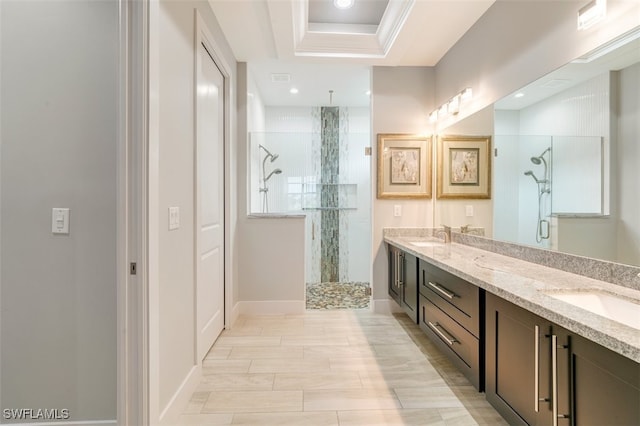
(386,306)
(271,307)
(235,313)
(171,413)
(71,423)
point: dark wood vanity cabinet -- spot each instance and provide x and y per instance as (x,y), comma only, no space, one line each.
(538,373)
(403,280)
(450,315)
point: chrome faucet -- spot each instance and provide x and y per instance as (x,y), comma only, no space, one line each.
(446,233)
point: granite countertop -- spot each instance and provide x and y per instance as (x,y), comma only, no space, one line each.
(527,285)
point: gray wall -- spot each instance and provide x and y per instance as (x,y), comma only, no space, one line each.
(58,149)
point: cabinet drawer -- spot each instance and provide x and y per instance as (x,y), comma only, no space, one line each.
(461,347)
(458,298)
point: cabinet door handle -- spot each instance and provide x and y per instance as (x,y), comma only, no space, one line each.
(536,367)
(554,378)
(442,290)
(446,336)
(401,269)
(395,272)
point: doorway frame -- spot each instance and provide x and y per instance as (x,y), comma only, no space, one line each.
(204,37)
(138,206)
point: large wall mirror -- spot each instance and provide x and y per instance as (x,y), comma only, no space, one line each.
(566,171)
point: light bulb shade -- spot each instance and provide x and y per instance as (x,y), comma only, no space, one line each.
(592,13)
(454,105)
(466,94)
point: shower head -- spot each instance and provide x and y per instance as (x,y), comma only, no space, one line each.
(530,173)
(536,160)
(275,172)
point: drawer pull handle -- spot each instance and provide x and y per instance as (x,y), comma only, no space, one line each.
(446,336)
(443,290)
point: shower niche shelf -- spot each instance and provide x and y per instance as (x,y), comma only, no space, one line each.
(329,196)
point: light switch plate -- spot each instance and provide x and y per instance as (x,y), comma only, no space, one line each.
(174,218)
(60,220)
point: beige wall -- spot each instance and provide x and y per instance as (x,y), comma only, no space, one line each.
(401,100)
(174,367)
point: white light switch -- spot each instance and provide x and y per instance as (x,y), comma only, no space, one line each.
(469,210)
(397,210)
(60,220)
(174,218)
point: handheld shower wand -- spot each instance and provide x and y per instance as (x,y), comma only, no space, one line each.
(264,189)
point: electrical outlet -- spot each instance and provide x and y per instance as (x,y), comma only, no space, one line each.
(397,210)
(469,210)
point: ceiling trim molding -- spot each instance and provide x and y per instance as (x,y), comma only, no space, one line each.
(345,40)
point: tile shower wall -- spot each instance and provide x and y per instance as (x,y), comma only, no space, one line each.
(294,133)
(329,178)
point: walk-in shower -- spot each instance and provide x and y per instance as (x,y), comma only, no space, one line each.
(264,189)
(544,187)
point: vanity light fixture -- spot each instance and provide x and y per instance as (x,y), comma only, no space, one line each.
(592,13)
(452,106)
(343,4)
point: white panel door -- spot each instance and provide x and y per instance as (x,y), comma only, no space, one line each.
(209,201)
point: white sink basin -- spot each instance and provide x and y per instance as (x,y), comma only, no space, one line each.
(604,304)
(425,244)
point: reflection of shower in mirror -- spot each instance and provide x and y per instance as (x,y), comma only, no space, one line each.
(544,187)
(264,190)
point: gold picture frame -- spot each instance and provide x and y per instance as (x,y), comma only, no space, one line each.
(404,166)
(464,167)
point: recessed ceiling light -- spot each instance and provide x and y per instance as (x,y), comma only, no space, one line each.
(293,91)
(343,4)
(518,95)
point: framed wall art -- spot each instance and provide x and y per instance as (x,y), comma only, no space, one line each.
(404,166)
(464,167)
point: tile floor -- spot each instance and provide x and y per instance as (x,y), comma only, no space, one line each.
(332,368)
(340,295)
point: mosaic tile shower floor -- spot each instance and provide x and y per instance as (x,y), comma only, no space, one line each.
(344,295)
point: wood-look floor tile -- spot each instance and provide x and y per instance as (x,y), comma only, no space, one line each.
(196,402)
(218,352)
(210,366)
(428,397)
(473,416)
(344,400)
(402,379)
(205,419)
(396,363)
(266,352)
(288,365)
(236,381)
(314,341)
(304,418)
(253,401)
(316,381)
(248,341)
(400,417)
(351,351)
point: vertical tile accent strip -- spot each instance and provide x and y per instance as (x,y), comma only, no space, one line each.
(329,175)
